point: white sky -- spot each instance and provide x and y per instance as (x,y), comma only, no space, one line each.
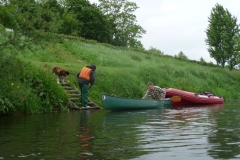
(179,25)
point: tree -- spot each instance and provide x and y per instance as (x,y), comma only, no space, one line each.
(87,21)
(27,19)
(181,55)
(202,60)
(27,15)
(51,15)
(70,25)
(10,16)
(155,51)
(221,32)
(234,59)
(126,32)
(6,15)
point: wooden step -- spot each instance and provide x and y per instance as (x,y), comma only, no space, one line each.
(74,98)
(64,84)
(71,105)
(68,87)
(75,95)
(88,103)
(80,108)
(72,91)
(96,107)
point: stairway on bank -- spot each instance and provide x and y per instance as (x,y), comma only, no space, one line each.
(74,96)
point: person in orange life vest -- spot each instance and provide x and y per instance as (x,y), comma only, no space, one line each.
(85,77)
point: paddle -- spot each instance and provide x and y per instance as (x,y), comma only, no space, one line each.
(175,99)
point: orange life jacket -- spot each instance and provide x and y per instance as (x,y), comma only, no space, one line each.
(85,73)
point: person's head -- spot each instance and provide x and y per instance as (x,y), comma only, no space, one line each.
(93,67)
(150,85)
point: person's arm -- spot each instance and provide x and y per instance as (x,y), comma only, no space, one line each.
(145,96)
(92,78)
(78,74)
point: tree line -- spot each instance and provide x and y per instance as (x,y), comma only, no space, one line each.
(112,22)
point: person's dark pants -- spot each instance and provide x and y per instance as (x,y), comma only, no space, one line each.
(84,94)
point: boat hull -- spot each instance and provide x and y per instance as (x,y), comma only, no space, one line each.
(118,103)
(193,98)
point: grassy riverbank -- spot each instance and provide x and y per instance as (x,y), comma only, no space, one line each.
(120,71)
(126,72)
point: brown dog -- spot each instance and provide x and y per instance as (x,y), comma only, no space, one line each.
(60,74)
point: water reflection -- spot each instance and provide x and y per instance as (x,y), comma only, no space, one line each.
(225,139)
(118,134)
(84,135)
(203,132)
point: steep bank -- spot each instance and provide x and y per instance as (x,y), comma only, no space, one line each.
(119,71)
(126,72)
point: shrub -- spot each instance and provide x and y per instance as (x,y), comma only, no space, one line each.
(26,89)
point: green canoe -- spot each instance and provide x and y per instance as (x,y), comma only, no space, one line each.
(118,103)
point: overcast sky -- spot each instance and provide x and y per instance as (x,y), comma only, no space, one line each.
(179,25)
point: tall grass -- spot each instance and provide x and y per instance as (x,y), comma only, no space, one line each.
(126,72)
(119,71)
(27,89)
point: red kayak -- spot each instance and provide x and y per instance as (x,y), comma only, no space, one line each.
(194,98)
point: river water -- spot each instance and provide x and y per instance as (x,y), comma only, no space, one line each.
(203,132)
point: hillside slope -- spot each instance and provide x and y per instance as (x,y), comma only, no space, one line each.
(126,72)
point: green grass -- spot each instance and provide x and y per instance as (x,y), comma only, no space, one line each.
(126,72)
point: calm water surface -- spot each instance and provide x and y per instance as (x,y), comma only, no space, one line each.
(207,132)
